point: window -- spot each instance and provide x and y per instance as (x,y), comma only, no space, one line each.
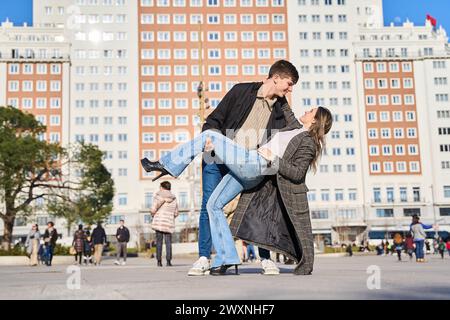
(416,194)
(319,214)
(444,212)
(339,195)
(123,199)
(325,195)
(385,213)
(409,212)
(446,191)
(407,67)
(368,67)
(377,195)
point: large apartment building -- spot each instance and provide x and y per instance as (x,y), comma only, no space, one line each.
(129,73)
(321,36)
(403,99)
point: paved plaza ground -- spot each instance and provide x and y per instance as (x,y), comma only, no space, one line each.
(333,278)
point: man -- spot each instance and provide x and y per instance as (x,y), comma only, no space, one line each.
(50,237)
(164,211)
(244,114)
(98,240)
(122,236)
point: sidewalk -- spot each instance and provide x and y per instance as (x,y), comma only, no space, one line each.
(337,278)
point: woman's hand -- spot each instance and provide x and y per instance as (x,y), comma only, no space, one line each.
(266,154)
(209,146)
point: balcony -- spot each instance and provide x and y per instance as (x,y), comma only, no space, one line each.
(395,56)
(383,202)
(34,58)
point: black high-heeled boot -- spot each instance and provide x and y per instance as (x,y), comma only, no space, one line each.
(222,270)
(160,263)
(150,166)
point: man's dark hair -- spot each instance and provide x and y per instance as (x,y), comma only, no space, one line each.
(51,223)
(166,185)
(121,220)
(284,69)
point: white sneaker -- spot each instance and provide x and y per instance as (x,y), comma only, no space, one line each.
(269,267)
(117,262)
(200,267)
(124,263)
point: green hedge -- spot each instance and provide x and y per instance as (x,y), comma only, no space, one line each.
(18,250)
(15,251)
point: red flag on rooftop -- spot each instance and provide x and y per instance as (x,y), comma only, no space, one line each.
(432,20)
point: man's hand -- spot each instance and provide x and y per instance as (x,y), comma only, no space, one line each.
(209,146)
(266,154)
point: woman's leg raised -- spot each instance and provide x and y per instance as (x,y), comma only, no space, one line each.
(246,165)
(221,236)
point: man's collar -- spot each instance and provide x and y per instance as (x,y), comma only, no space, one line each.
(260,95)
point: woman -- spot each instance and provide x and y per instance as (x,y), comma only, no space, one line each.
(417,230)
(33,243)
(248,168)
(78,243)
(50,238)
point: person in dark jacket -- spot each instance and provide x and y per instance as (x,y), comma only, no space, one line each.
(87,255)
(98,241)
(78,243)
(50,238)
(122,236)
(247,114)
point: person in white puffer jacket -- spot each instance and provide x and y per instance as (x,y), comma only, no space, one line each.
(164,211)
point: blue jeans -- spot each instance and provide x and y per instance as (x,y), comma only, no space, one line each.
(247,170)
(419,249)
(212,174)
(251,255)
(48,254)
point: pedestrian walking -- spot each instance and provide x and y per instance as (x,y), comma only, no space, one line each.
(379,248)
(78,243)
(32,244)
(441,247)
(99,241)
(427,246)
(164,211)
(122,236)
(244,251)
(88,246)
(349,250)
(398,245)
(447,245)
(50,238)
(409,245)
(251,253)
(418,231)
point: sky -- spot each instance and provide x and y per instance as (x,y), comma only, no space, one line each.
(397,11)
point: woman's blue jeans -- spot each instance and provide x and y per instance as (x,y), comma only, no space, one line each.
(419,249)
(247,170)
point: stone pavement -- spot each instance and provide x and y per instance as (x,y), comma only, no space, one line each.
(333,278)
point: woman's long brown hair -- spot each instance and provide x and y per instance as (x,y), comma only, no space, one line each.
(318,130)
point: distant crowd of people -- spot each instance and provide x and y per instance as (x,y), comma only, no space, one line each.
(414,243)
(87,248)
